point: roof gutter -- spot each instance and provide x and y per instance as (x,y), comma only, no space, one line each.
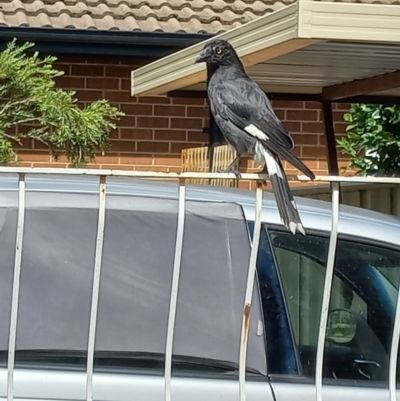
(96,42)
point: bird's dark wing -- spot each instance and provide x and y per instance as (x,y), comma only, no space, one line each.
(242,101)
(235,97)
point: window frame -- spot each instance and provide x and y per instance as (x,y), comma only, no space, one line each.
(296,379)
(274,271)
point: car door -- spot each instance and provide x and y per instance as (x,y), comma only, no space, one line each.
(365,285)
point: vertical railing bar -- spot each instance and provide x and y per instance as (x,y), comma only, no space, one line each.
(335,188)
(174,289)
(394,351)
(16,285)
(96,287)
(249,292)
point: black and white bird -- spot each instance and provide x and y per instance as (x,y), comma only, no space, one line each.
(245,116)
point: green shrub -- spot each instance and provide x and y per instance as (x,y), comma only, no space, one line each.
(29,98)
(373,139)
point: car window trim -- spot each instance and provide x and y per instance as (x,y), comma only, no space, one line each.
(328,382)
(341,237)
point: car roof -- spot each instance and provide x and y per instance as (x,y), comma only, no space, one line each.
(315,214)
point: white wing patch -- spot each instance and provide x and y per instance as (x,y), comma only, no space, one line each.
(257,133)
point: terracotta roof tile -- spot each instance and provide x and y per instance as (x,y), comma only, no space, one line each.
(192,16)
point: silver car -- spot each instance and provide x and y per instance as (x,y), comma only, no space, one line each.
(58,259)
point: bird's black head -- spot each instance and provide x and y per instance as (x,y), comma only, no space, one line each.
(218,52)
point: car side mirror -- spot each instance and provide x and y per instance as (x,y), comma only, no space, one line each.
(341,327)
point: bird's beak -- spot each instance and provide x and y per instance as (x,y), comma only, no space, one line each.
(203,56)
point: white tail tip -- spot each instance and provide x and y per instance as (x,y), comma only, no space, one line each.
(293,227)
(301,229)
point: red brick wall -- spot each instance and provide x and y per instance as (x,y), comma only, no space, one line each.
(155,130)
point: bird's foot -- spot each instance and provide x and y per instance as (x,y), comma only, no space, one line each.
(264,171)
(230,170)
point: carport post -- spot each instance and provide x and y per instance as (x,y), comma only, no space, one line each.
(329,127)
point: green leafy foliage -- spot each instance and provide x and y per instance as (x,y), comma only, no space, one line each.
(373,139)
(31,106)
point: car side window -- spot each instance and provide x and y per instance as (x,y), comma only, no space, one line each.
(362,305)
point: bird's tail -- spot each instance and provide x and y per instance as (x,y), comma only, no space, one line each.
(284,198)
(296,162)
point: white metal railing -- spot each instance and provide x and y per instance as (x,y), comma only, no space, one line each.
(103,174)
(330,266)
(96,287)
(16,281)
(174,288)
(249,292)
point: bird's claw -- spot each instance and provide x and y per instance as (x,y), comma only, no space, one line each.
(237,174)
(264,171)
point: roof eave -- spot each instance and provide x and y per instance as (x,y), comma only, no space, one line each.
(179,70)
(281,32)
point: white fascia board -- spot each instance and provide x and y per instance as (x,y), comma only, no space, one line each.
(178,69)
(281,32)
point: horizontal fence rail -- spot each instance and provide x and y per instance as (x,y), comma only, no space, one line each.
(181,178)
(192,175)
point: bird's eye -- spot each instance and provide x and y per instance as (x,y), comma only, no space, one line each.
(219,50)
